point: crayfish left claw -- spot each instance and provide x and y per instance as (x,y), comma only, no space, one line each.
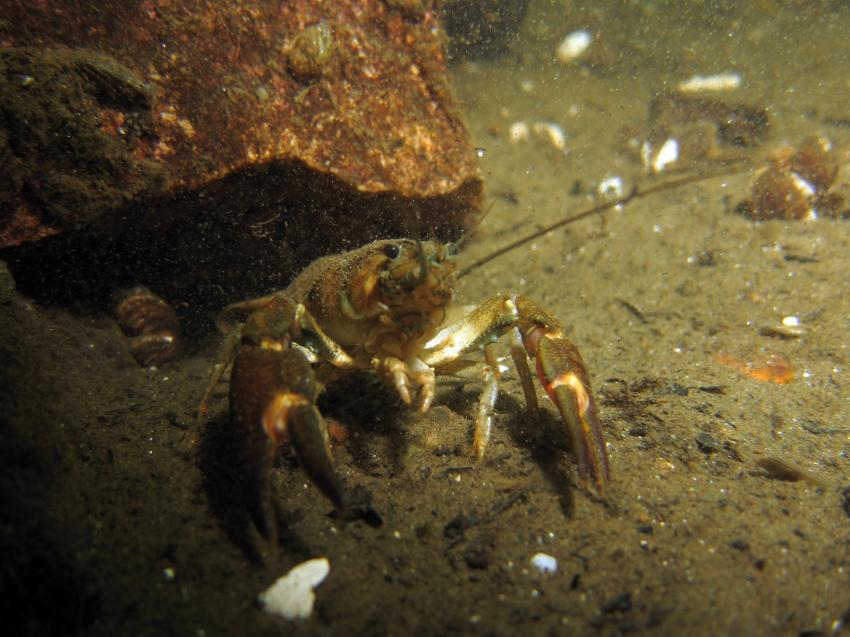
(562,372)
(563,375)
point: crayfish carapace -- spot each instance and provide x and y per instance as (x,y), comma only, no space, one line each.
(382,307)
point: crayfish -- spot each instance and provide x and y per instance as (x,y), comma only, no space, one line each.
(383,307)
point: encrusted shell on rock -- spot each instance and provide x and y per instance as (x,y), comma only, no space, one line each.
(310,51)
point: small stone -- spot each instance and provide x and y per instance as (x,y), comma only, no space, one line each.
(707,443)
(573,46)
(677,389)
(478,557)
(545,563)
(620,603)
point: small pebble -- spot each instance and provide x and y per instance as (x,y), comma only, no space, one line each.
(573,46)
(611,186)
(667,154)
(552,133)
(519,132)
(620,603)
(544,563)
(708,443)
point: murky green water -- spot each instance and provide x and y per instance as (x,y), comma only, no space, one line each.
(133,525)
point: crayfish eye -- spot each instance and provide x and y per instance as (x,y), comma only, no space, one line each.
(392,251)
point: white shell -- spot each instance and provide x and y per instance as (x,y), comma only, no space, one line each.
(551,132)
(611,186)
(291,596)
(573,46)
(718,82)
(518,132)
(805,188)
(667,154)
(544,563)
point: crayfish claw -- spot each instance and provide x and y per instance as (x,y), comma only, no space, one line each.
(272,394)
(564,377)
(309,436)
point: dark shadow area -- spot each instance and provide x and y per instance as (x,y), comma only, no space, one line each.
(224,486)
(42,591)
(43,588)
(235,239)
(369,411)
(236,503)
(542,434)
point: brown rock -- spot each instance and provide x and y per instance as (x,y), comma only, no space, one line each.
(139,104)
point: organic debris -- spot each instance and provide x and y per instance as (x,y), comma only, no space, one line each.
(770,368)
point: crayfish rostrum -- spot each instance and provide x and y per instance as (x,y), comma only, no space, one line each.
(382,307)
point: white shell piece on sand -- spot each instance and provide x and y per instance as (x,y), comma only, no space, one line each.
(518,132)
(573,46)
(611,186)
(544,563)
(291,596)
(719,82)
(552,133)
(667,154)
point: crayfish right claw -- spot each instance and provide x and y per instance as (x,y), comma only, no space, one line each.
(272,396)
(309,436)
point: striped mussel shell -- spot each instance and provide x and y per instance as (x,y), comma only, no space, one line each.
(150,325)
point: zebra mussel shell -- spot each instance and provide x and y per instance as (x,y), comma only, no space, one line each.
(797,184)
(150,325)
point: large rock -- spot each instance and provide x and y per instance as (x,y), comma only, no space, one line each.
(288,128)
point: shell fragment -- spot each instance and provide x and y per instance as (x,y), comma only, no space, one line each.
(718,82)
(519,132)
(656,161)
(552,133)
(292,596)
(573,46)
(545,563)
